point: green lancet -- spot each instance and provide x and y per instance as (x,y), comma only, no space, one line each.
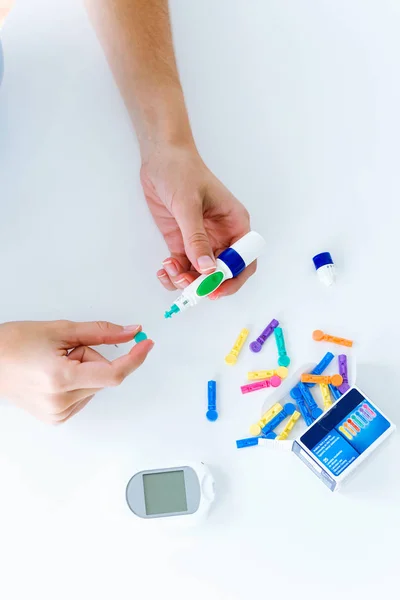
(210,283)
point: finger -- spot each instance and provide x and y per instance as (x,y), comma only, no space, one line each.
(165,280)
(173,268)
(186,279)
(231,286)
(80,407)
(189,216)
(178,275)
(99,374)
(72,411)
(36,410)
(237,218)
(180,281)
(86,354)
(57,404)
(93,334)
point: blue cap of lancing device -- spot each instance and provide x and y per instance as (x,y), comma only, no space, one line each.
(243,252)
(322,259)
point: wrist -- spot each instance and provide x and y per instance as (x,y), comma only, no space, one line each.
(163,122)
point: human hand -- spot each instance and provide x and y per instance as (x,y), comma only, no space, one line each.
(48,368)
(196,214)
(5,7)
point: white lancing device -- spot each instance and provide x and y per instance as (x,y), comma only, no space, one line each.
(230,263)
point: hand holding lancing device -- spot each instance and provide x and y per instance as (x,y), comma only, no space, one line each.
(196,214)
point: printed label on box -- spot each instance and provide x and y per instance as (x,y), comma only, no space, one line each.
(345,432)
(335,452)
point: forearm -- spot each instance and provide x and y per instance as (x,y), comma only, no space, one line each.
(136,37)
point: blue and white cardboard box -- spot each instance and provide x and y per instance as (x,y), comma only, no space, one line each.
(343,437)
(336,444)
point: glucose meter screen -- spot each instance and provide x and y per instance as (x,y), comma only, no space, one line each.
(165,492)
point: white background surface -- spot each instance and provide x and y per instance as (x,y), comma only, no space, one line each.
(295,106)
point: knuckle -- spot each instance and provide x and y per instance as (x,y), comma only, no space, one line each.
(117,378)
(52,384)
(198,238)
(62,325)
(55,381)
(104,326)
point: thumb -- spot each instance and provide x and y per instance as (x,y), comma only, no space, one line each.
(93,333)
(197,246)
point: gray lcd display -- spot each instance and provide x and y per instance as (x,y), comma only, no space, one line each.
(164,492)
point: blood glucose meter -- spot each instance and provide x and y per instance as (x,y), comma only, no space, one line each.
(186,490)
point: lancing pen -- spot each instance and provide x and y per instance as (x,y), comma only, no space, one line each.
(229,263)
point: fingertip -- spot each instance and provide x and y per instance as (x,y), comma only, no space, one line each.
(185,279)
(214,296)
(181,282)
(164,279)
(231,286)
(228,288)
(206,264)
(142,347)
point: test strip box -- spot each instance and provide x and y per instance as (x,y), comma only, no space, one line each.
(335,445)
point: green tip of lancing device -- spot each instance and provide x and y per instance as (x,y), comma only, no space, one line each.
(168,313)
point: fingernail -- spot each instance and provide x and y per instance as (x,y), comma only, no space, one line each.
(180,282)
(162,274)
(206,263)
(131,328)
(171,269)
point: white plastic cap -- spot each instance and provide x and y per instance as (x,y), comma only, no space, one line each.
(327,274)
(250,247)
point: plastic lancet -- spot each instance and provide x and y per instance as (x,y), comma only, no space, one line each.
(326,395)
(313,407)
(273,381)
(287,410)
(211,413)
(267,416)
(320,336)
(321,366)
(336,379)
(336,393)
(246,442)
(342,359)
(232,357)
(260,341)
(283,359)
(317,370)
(302,406)
(290,424)
(258,375)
